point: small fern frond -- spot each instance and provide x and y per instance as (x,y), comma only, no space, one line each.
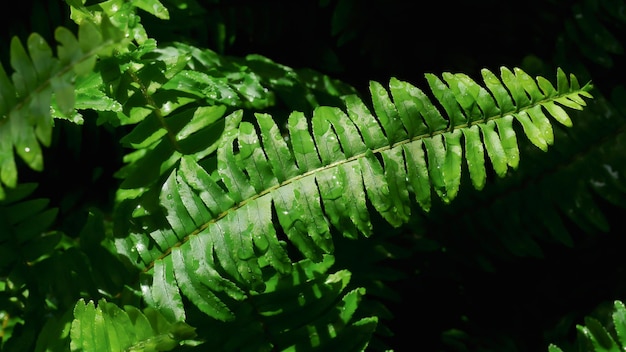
(106,327)
(39,77)
(599,337)
(329,176)
(42,80)
(42,85)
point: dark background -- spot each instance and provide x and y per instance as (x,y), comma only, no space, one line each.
(444,304)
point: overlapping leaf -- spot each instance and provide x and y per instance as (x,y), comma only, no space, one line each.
(313,309)
(222,223)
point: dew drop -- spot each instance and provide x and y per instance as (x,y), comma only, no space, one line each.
(27,150)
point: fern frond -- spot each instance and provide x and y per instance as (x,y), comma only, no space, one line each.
(39,79)
(329,177)
(106,327)
(42,81)
(597,336)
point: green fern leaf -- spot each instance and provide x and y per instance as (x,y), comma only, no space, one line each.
(328,176)
(153,7)
(39,81)
(106,327)
(554,348)
(597,335)
(619,321)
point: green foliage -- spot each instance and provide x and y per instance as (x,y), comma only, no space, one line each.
(41,82)
(309,309)
(258,204)
(109,328)
(325,177)
(594,336)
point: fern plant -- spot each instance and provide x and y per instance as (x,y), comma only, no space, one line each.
(229,211)
(333,168)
